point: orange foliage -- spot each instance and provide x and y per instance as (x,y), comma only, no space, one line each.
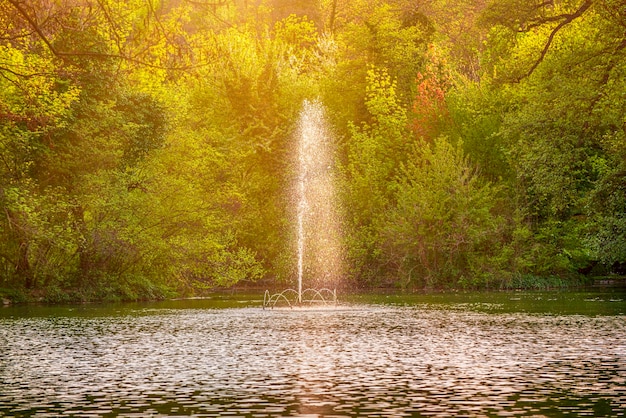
(429,105)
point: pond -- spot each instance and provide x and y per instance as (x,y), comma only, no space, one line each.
(488,354)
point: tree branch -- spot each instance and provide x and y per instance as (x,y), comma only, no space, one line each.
(539,22)
(213,10)
(33,25)
(606,76)
(15,73)
(66,54)
(568,18)
(16,37)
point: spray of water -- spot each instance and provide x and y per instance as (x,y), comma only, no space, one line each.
(318,224)
(318,220)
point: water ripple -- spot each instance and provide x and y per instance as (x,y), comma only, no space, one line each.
(366,361)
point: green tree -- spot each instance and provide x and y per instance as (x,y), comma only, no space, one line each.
(442,230)
(375,152)
(35,102)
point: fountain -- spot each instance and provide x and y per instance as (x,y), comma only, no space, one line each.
(318,226)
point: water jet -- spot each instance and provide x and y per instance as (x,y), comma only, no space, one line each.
(317,221)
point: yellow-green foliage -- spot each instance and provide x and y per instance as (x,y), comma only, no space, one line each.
(146,147)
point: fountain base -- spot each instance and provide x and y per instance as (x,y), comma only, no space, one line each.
(290,298)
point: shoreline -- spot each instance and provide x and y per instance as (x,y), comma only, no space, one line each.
(593,284)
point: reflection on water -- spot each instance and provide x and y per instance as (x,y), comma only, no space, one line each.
(359,360)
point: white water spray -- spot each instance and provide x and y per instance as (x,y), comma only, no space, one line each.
(318,222)
(302,210)
(318,225)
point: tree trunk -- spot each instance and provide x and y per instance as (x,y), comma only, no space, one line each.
(333,13)
(22,266)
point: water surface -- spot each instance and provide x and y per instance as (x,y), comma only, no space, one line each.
(435,355)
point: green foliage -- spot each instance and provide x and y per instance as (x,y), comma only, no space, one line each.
(374,154)
(476,116)
(442,227)
(532,282)
(554,134)
(606,229)
(146,148)
(376,35)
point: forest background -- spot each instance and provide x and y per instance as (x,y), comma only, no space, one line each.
(146,146)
